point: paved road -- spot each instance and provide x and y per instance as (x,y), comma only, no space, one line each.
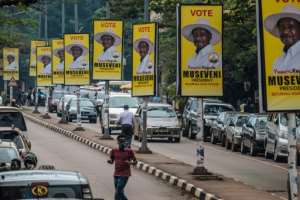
(255,171)
(66,154)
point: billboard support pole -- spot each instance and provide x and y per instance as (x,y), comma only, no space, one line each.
(79,126)
(11,95)
(200,168)
(36,110)
(292,169)
(5,90)
(63,115)
(46,115)
(105,129)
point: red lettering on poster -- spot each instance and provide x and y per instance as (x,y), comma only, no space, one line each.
(202,13)
(76,37)
(144,29)
(108,25)
(288,1)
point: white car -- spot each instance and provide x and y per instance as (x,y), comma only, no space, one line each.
(66,100)
(116,107)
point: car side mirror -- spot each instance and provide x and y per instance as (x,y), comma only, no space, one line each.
(15,164)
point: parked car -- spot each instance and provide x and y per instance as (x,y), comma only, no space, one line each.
(276,142)
(9,156)
(44,184)
(12,117)
(254,133)
(233,131)
(54,100)
(218,127)
(87,110)
(116,107)
(67,98)
(211,109)
(162,122)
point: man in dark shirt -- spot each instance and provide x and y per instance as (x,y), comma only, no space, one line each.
(123,158)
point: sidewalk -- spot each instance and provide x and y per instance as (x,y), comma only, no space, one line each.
(227,189)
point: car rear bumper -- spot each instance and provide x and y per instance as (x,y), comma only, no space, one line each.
(163,132)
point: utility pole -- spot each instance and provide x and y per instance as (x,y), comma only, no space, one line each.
(63,116)
(79,126)
(144,148)
(106,135)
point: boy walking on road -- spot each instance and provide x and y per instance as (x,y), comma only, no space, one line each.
(123,158)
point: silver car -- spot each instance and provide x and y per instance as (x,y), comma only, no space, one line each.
(67,98)
(162,122)
(276,142)
(233,131)
(87,110)
(44,184)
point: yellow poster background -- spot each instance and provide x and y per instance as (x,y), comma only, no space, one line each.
(277,98)
(143,84)
(11,70)
(77,71)
(43,78)
(32,62)
(58,75)
(210,81)
(107,70)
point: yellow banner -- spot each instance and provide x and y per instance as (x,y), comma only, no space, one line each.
(58,61)
(10,63)
(44,68)
(77,70)
(32,62)
(280,34)
(144,59)
(108,48)
(200,50)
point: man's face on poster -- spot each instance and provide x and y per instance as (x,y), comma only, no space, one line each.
(289,31)
(143,49)
(107,41)
(45,60)
(10,59)
(201,37)
(76,51)
(61,55)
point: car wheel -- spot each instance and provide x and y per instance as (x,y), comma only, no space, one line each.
(252,149)
(213,139)
(94,121)
(227,145)
(267,154)
(298,159)
(223,141)
(177,140)
(243,148)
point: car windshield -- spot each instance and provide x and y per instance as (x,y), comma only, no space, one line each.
(53,191)
(7,154)
(216,109)
(83,103)
(119,102)
(68,97)
(241,120)
(57,95)
(160,112)
(7,119)
(261,122)
(12,137)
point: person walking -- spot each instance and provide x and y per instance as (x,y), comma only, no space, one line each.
(126,120)
(122,157)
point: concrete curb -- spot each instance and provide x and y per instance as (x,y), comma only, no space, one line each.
(142,166)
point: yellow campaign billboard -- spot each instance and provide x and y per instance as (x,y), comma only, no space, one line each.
(144,59)
(108,50)
(77,71)
(10,63)
(280,54)
(43,67)
(200,71)
(32,62)
(58,61)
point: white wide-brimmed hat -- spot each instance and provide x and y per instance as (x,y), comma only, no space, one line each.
(110,33)
(40,57)
(202,23)
(271,21)
(76,44)
(11,54)
(143,39)
(57,50)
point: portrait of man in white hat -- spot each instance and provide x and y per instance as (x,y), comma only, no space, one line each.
(109,40)
(46,60)
(286,26)
(144,47)
(11,60)
(78,51)
(59,52)
(203,36)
